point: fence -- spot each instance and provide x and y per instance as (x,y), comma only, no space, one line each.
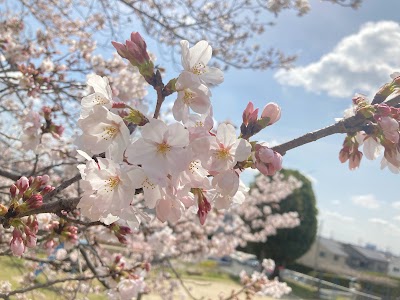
(326,289)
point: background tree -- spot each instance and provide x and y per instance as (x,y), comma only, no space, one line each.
(289,244)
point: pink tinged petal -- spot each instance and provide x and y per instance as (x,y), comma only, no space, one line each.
(141,152)
(154,131)
(222,201)
(136,176)
(187,80)
(372,149)
(163,209)
(178,135)
(226,134)
(151,193)
(179,109)
(227,183)
(243,150)
(200,53)
(185,58)
(212,76)
(200,104)
(178,160)
(177,208)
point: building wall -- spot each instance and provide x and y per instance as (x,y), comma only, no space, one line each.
(321,257)
(394,267)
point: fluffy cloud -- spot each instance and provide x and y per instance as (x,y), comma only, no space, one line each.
(378,221)
(361,63)
(367,201)
(336,215)
(396,205)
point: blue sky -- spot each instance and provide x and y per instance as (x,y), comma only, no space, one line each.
(341,51)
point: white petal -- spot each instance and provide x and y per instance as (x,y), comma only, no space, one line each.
(243,150)
(226,134)
(200,53)
(212,76)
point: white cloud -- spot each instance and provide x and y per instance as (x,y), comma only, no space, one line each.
(367,201)
(396,205)
(378,221)
(336,215)
(397,218)
(361,63)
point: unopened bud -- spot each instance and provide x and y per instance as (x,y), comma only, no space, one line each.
(13,190)
(23,184)
(271,111)
(35,201)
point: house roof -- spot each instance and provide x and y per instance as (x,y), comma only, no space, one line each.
(370,254)
(333,246)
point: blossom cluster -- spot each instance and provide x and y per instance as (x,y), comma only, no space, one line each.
(179,166)
(26,194)
(381,132)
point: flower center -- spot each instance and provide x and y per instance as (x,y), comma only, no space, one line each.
(163,148)
(100,100)
(110,132)
(147,184)
(194,166)
(199,69)
(189,95)
(199,124)
(222,153)
(112,183)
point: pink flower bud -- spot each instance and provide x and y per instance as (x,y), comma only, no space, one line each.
(146,266)
(135,50)
(268,162)
(355,159)
(13,190)
(344,155)
(35,201)
(17,244)
(22,184)
(45,178)
(247,112)
(47,189)
(31,241)
(271,111)
(204,209)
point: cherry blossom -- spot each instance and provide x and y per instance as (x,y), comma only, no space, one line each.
(160,150)
(195,60)
(110,135)
(102,95)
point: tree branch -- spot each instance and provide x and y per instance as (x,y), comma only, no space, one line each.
(49,283)
(349,125)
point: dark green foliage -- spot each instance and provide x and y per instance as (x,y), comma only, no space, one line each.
(290,244)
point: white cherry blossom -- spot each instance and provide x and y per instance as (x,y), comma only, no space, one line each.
(160,150)
(226,149)
(104,131)
(191,94)
(195,60)
(102,95)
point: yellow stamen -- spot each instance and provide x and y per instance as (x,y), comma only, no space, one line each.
(110,132)
(199,69)
(163,148)
(111,183)
(222,153)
